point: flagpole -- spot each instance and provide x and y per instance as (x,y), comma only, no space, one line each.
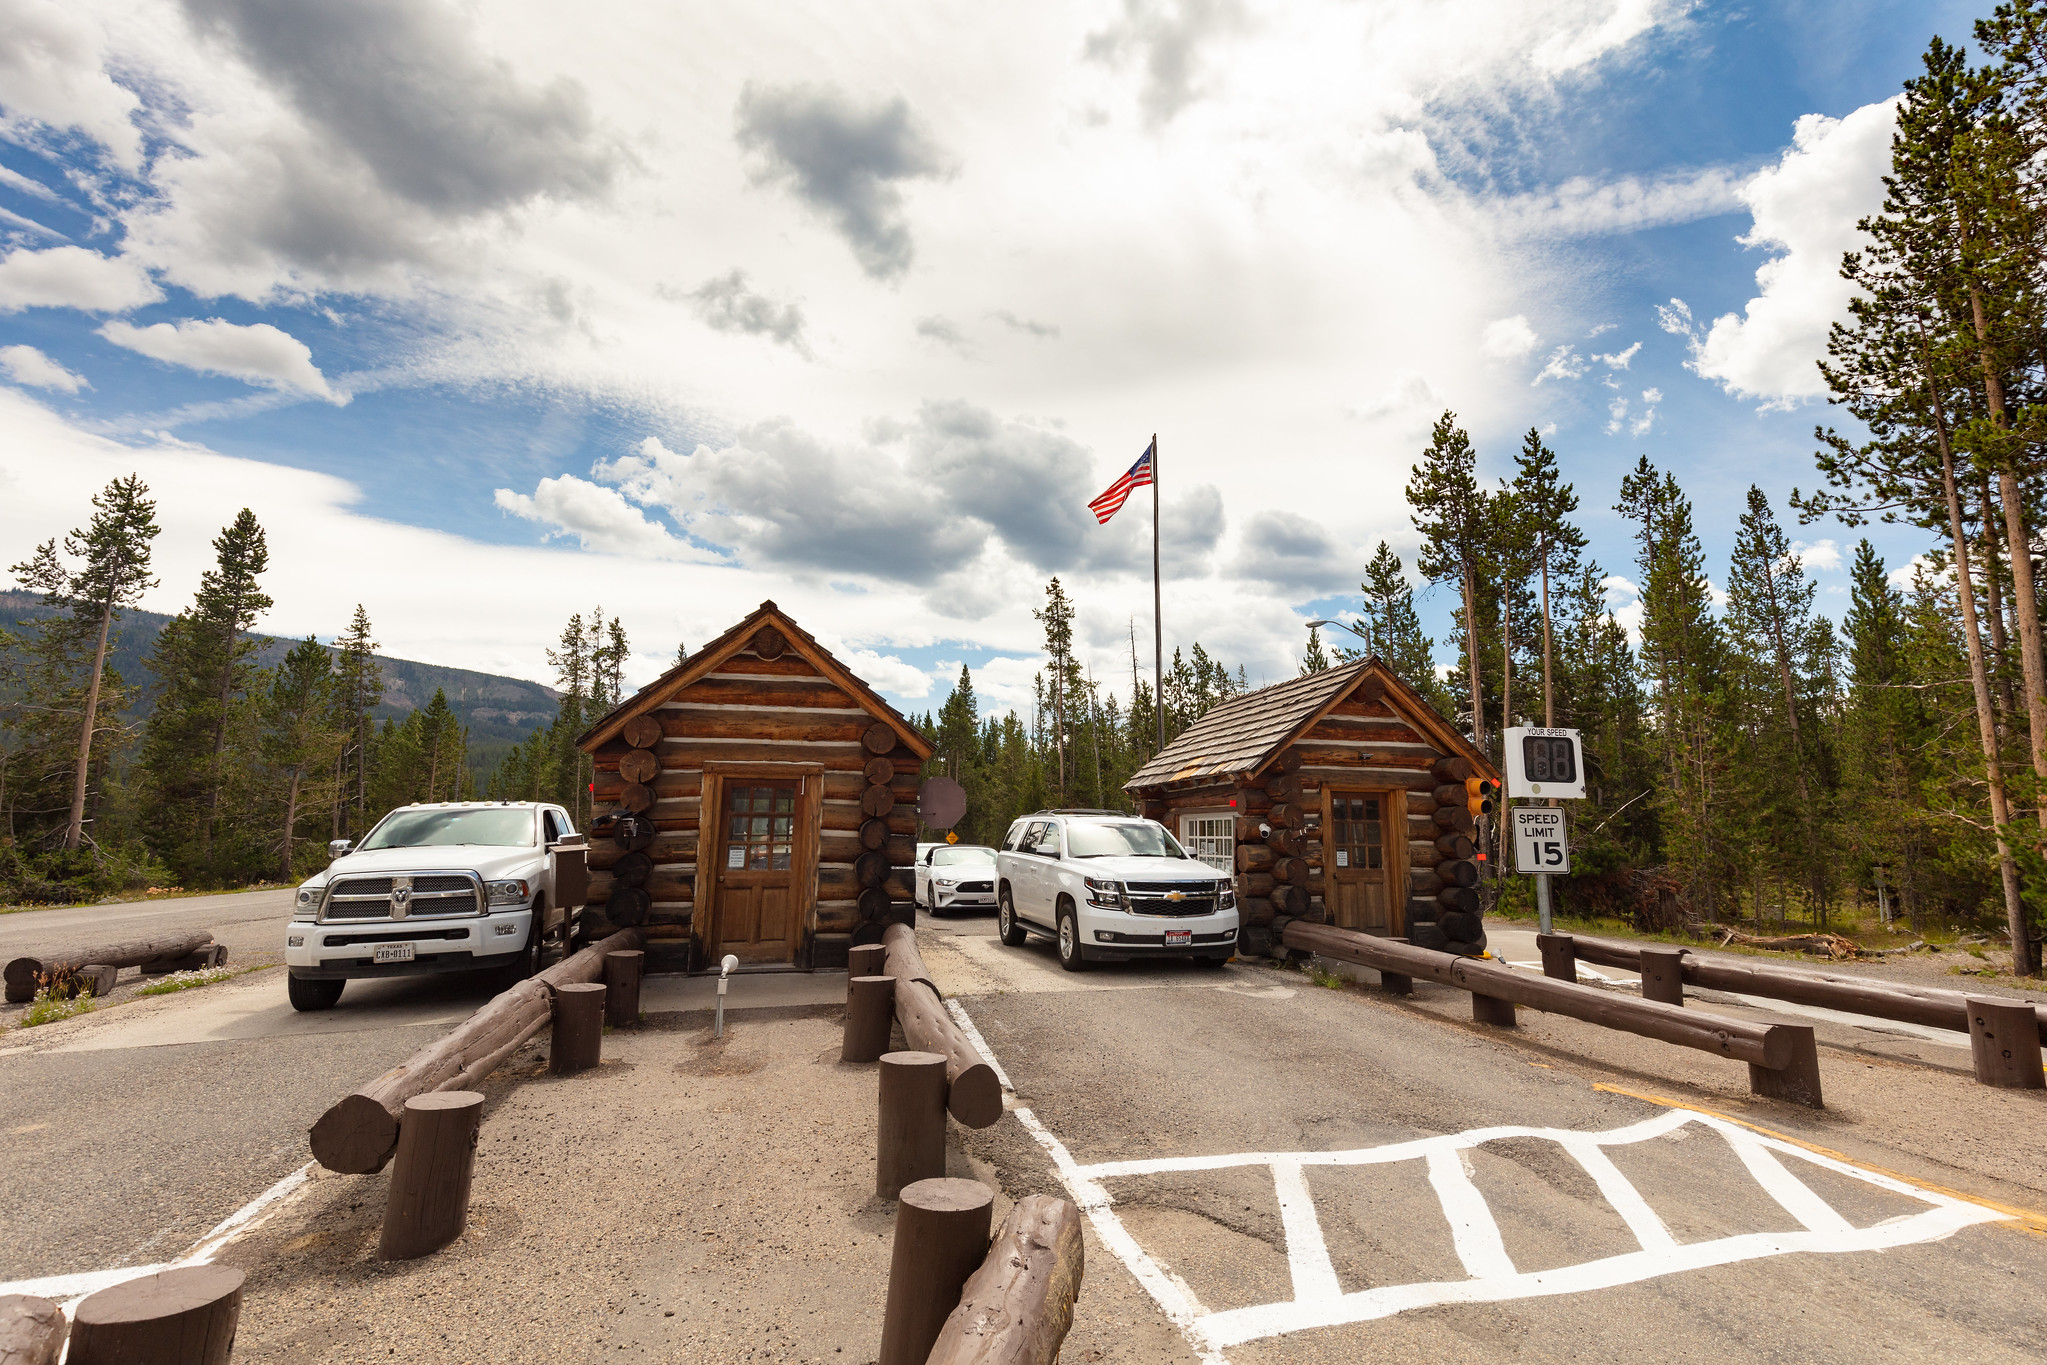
(1158,622)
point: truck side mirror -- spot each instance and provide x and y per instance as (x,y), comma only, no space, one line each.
(337,847)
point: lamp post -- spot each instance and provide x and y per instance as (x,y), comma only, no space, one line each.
(1362,635)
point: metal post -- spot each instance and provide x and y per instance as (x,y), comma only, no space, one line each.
(1542,901)
(724,979)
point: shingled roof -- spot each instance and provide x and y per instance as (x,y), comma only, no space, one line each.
(1238,737)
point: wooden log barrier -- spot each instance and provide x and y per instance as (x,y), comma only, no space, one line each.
(1488,1009)
(867,959)
(941,1239)
(1766,1047)
(909,1139)
(622,971)
(99,979)
(1663,975)
(2004,1043)
(1798,1080)
(20,973)
(870,1016)
(973,1094)
(1018,1307)
(429,1203)
(32,1330)
(1559,956)
(901,956)
(198,960)
(183,1316)
(1927,1005)
(577,1042)
(359,1132)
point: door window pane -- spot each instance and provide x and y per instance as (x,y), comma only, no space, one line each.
(1358,839)
(760,827)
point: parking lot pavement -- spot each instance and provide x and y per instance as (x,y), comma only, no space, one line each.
(1281,1172)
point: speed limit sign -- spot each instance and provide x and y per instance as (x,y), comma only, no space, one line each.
(1539,844)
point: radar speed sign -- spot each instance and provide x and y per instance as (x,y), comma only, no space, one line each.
(1544,762)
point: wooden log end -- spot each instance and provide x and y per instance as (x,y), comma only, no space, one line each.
(32,1330)
(975,1097)
(356,1136)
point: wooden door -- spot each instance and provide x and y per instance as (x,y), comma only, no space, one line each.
(1357,865)
(759,884)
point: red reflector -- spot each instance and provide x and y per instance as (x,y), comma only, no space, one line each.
(1233,800)
(1481,857)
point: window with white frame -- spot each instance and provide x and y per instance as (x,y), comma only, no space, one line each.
(1212,839)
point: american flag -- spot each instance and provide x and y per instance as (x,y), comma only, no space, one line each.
(1118,493)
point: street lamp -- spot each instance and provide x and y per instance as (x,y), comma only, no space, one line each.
(1342,626)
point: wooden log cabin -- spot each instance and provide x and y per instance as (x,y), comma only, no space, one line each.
(1339,797)
(761,801)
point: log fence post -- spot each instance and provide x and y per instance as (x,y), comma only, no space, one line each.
(1490,1009)
(1663,975)
(909,1139)
(183,1316)
(941,1237)
(32,1330)
(622,987)
(429,1202)
(2004,1041)
(1798,1080)
(870,1017)
(866,959)
(1559,956)
(577,1041)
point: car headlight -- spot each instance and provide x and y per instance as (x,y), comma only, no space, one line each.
(1106,894)
(505,893)
(308,903)
(948,881)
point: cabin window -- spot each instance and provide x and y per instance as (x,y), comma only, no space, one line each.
(760,827)
(1359,838)
(1212,839)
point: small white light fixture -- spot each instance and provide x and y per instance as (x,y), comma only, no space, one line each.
(724,979)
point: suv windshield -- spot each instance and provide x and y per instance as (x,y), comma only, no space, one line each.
(503,827)
(1120,841)
(948,857)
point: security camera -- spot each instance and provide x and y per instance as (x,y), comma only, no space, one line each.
(1264,830)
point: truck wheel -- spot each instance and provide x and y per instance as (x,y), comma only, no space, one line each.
(307,994)
(1011,933)
(533,956)
(1071,954)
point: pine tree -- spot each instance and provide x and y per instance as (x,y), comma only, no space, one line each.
(115,546)
(300,739)
(1056,616)
(1547,502)
(1450,514)
(1314,661)
(358,689)
(228,604)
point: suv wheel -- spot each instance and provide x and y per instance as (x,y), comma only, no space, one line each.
(1071,954)
(307,994)
(1011,933)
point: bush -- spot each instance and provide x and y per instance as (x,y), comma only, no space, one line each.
(70,877)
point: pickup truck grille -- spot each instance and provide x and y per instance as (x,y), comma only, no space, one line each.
(427,894)
(1149,898)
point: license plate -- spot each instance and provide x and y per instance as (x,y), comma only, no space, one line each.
(391,952)
(1179,938)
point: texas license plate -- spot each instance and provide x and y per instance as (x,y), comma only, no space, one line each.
(1179,938)
(391,952)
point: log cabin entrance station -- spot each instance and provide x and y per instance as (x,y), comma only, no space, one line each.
(761,797)
(1337,796)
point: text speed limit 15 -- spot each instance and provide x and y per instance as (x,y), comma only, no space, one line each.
(1539,842)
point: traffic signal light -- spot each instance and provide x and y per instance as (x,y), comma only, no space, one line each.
(1479,796)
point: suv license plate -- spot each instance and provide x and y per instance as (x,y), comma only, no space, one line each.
(1179,938)
(391,952)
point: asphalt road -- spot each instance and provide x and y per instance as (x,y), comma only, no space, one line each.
(127,1133)
(1252,1127)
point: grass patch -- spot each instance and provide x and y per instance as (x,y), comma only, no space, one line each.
(48,1009)
(1328,981)
(185,981)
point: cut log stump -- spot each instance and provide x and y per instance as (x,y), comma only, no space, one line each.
(622,987)
(1663,975)
(941,1239)
(183,1316)
(577,1043)
(429,1201)
(909,1141)
(870,1017)
(1559,956)
(2004,1041)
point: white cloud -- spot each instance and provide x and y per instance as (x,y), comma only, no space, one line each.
(1822,555)
(1623,602)
(27,365)
(72,277)
(256,353)
(1507,338)
(1619,360)
(1586,207)
(1617,416)
(53,76)
(1676,318)
(889,673)
(599,518)
(1564,363)
(1903,576)
(1805,209)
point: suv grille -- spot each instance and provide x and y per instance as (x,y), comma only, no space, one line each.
(439,893)
(1150,898)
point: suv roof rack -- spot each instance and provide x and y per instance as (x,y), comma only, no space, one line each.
(1083,810)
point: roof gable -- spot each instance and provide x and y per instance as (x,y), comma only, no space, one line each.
(1239,737)
(739,637)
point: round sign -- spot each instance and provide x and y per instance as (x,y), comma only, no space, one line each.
(941,802)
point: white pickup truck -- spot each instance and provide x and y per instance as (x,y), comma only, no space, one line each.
(451,887)
(1107,888)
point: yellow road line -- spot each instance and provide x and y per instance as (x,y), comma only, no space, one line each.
(2033,1222)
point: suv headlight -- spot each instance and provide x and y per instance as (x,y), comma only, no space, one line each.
(505,893)
(307,904)
(1225,895)
(1106,894)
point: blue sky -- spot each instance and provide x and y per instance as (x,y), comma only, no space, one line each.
(493,314)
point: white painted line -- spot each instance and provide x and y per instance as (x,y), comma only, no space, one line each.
(1620,1192)
(959,1016)
(1307,1255)
(1480,1248)
(66,1288)
(1796,1198)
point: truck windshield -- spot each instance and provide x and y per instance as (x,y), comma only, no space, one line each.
(504,828)
(952,857)
(1120,841)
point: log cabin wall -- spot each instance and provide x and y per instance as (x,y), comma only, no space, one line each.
(762,712)
(1372,738)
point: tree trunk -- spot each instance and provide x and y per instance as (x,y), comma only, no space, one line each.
(74,833)
(291,816)
(1471,657)
(2018,545)
(2000,649)
(1549,701)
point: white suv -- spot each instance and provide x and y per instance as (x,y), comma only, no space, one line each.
(451,887)
(1108,888)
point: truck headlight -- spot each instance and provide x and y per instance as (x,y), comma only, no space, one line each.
(1225,895)
(1106,894)
(307,903)
(505,893)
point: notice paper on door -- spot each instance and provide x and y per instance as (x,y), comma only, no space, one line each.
(736,856)
(1343,857)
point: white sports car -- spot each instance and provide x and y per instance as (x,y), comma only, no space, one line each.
(956,877)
